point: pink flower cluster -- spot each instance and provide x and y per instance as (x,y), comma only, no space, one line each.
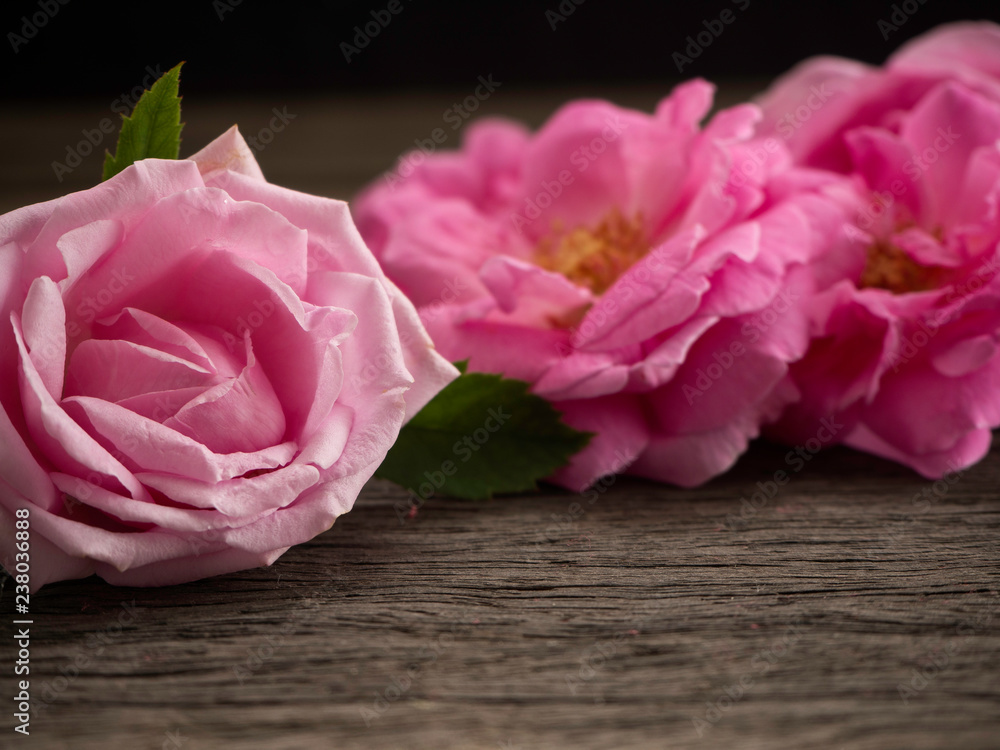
(827,256)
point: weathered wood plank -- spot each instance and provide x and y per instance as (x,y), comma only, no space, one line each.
(502,624)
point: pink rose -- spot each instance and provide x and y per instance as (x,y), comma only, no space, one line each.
(200,370)
(905,338)
(635,269)
(814,105)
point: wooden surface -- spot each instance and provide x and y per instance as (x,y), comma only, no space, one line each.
(650,617)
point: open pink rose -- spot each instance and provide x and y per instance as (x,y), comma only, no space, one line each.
(820,100)
(199,370)
(636,269)
(905,338)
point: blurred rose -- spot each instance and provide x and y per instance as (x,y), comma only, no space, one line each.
(820,100)
(636,269)
(200,370)
(905,340)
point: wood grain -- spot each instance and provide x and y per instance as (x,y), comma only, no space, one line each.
(637,616)
(505,624)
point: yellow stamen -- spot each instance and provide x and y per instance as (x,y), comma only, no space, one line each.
(594,258)
(890,268)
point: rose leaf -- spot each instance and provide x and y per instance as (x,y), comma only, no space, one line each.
(154,129)
(482,434)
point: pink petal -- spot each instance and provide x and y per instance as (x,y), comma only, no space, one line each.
(621,434)
(119,370)
(583,375)
(44,325)
(881,158)
(965,48)
(810,104)
(722,383)
(21,470)
(970,448)
(649,298)
(336,245)
(945,129)
(169,572)
(436,254)
(128,196)
(147,445)
(132,511)
(239,497)
(227,153)
(660,365)
(60,439)
(140,327)
(529,294)
(693,458)
(966,356)
(160,405)
(487,345)
(241,415)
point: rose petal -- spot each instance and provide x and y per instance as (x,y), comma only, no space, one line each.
(147,445)
(119,370)
(238,497)
(44,325)
(621,433)
(64,442)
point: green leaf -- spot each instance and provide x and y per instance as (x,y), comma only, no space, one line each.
(154,129)
(482,434)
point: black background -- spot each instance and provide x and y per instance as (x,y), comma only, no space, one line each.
(96,50)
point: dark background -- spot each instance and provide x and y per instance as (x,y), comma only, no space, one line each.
(98,50)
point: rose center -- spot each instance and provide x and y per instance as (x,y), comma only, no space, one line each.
(889,267)
(596,257)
